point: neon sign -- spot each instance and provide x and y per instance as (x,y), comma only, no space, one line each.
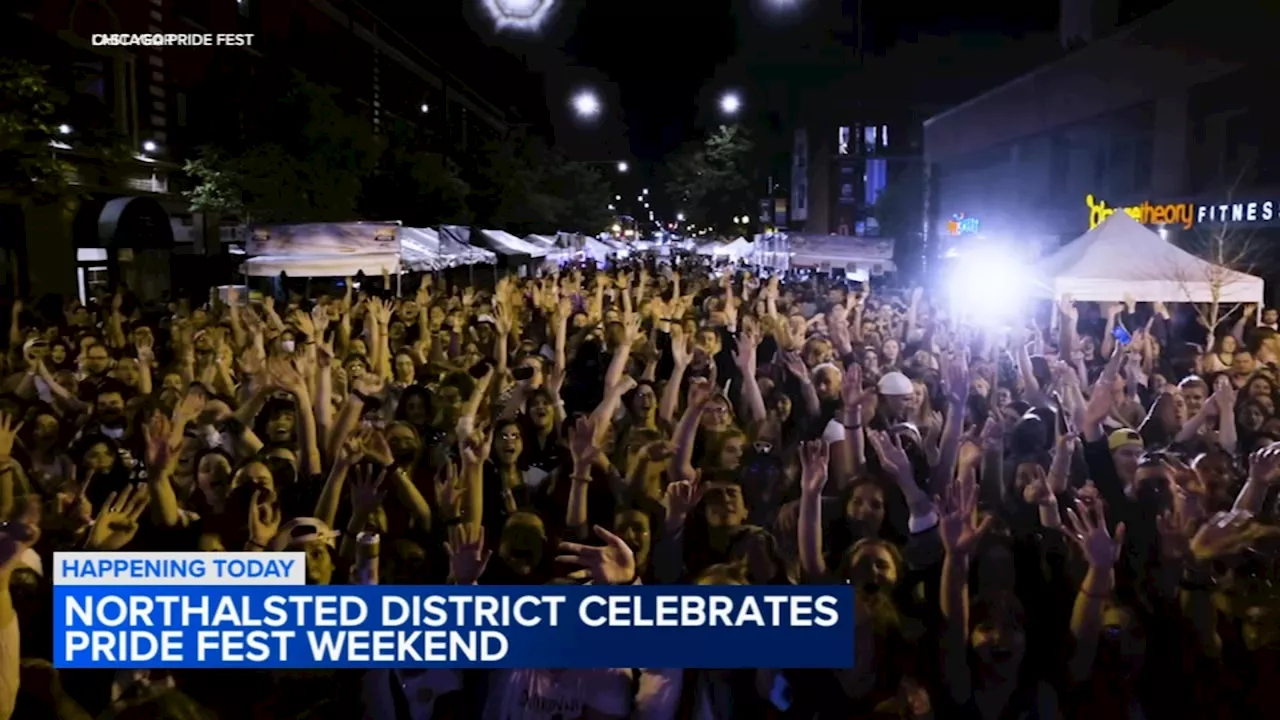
(960,225)
(1183,214)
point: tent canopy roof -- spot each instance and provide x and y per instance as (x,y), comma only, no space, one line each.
(1120,257)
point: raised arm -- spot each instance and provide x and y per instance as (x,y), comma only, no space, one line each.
(813,479)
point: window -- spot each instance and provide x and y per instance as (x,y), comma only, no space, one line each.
(843,140)
(180,109)
(884,136)
(876,177)
(869,134)
(802,196)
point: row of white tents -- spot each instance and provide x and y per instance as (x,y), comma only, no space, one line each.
(347,249)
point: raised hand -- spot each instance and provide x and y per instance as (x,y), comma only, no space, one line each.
(1264,463)
(814,457)
(852,393)
(699,393)
(468,557)
(612,564)
(744,356)
(956,380)
(475,450)
(8,435)
(19,534)
(284,372)
(681,497)
(448,493)
(354,447)
(367,492)
(158,436)
(681,350)
(959,526)
(303,323)
(117,522)
(1089,531)
(794,364)
(1228,533)
(264,518)
(893,457)
(582,445)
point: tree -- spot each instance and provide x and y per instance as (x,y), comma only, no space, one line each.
(899,210)
(308,160)
(415,185)
(714,180)
(510,188)
(35,165)
(585,194)
(1231,255)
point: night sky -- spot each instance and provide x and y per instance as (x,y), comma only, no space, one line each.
(659,65)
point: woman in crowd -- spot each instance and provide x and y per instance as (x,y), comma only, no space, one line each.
(1031,528)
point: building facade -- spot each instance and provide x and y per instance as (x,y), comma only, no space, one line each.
(1165,118)
(167,102)
(840,171)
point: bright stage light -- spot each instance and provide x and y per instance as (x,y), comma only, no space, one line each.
(730,104)
(987,285)
(527,15)
(586,104)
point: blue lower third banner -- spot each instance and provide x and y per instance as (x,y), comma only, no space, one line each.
(458,627)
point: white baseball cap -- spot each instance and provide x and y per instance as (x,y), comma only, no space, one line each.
(894,383)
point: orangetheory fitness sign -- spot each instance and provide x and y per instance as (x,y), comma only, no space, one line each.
(1183,214)
(1188,214)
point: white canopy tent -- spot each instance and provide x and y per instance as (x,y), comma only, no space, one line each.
(426,250)
(596,250)
(504,243)
(855,254)
(320,265)
(1121,258)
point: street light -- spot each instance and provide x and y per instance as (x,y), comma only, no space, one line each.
(149,146)
(646,191)
(425,108)
(623,167)
(586,104)
(64,129)
(680,217)
(730,103)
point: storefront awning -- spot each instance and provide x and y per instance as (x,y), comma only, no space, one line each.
(134,222)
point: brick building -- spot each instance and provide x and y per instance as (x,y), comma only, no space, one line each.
(169,101)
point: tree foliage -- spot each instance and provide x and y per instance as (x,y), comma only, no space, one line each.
(336,169)
(714,181)
(416,185)
(308,161)
(523,186)
(31,169)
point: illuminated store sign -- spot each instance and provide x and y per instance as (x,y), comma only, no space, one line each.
(1187,214)
(960,225)
(1183,214)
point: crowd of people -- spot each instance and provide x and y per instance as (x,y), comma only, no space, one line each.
(1069,517)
